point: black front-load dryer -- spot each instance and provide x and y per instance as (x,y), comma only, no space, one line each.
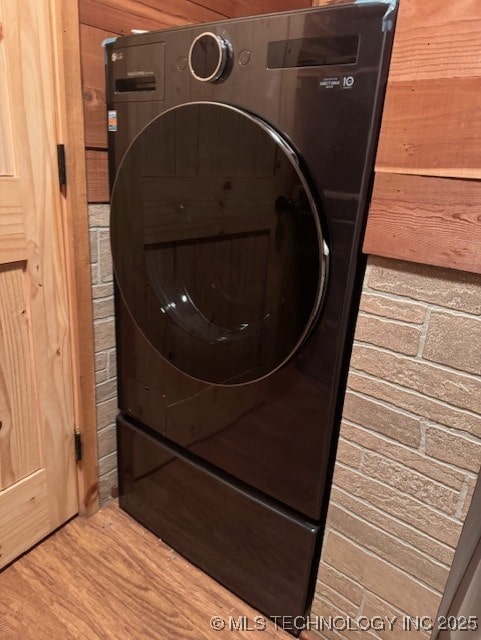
(241,158)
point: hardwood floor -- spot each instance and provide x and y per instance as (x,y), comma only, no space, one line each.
(108,577)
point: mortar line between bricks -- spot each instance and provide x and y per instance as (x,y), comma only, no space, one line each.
(104,428)
(389,320)
(394,297)
(410,391)
(338,593)
(431,424)
(399,297)
(420,476)
(428,363)
(424,505)
(389,516)
(336,570)
(375,596)
(106,298)
(422,444)
(390,564)
(364,343)
(383,403)
(367,591)
(104,320)
(424,334)
(334,634)
(362,605)
(363,448)
(462,499)
(457,433)
(441,463)
(94,277)
(108,455)
(394,538)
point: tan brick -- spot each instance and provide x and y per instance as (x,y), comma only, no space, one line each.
(339,602)
(100,376)
(106,412)
(107,464)
(385,546)
(400,530)
(470,484)
(407,457)
(395,309)
(400,505)
(105,257)
(434,410)
(106,441)
(309,635)
(320,612)
(348,454)
(104,334)
(410,482)
(377,417)
(358,634)
(333,623)
(454,341)
(388,334)
(319,635)
(103,308)
(108,485)
(94,273)
(455,388)
(341,583)
(375,606)
(102,290)
(112,363)
(94,249)
(100,360)
(453,448)
(106,390)
(99,215)
(445,287)
(380,577)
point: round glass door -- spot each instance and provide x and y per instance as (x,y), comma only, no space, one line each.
(216,243)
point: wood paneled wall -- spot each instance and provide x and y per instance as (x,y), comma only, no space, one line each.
(426,205)
(100,19)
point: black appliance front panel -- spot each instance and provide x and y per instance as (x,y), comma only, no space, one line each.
(276,434)
(262,554)
(216,243)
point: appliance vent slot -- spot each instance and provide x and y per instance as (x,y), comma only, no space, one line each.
(136,83)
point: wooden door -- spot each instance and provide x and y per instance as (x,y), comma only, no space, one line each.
(38,489)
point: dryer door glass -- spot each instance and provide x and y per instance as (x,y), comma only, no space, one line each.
(217,243)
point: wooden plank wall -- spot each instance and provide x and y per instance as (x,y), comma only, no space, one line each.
(426,205)
(100,19)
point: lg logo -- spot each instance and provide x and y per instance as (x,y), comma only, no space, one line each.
(347,82)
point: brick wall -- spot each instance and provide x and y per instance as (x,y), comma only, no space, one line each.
(104,333)
(410,446)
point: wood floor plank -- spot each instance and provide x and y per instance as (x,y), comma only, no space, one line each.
(109,578)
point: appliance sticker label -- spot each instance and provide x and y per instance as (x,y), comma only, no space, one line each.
(346,82)
(112,120)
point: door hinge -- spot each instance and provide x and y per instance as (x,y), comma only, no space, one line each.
(78,445)
(62,166)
